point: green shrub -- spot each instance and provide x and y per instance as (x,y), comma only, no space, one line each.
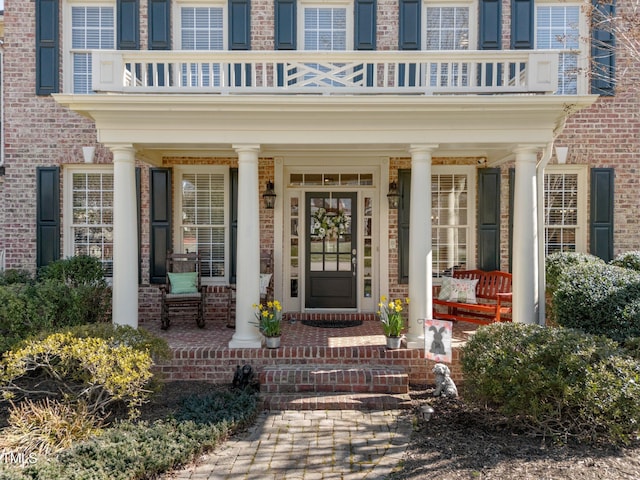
(630,260)
(75,271)
(11,276)
(217,407)
(557,263)
(90,370)
(132,451)
(599,299)
(558,382)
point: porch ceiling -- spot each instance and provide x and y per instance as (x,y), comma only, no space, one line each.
(161,125)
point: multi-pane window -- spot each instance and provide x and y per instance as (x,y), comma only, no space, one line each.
(92,217)
(447,28)
(558,28)
(202,220)
(450,219)
(560,212)
(92,28)
(325,28)
(201,28)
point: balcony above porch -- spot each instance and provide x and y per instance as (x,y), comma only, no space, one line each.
(327,72)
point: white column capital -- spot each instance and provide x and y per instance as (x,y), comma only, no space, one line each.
(246,148)
(122,151)
(527,152)
(422,150)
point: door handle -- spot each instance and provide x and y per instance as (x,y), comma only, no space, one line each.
(354,261)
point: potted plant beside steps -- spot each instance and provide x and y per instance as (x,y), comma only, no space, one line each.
(392,321)
(270,322)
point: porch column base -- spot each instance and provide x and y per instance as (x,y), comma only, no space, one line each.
(245,343)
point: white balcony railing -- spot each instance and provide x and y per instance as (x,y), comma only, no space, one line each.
(335,73)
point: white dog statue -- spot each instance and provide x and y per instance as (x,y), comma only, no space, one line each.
(444,384)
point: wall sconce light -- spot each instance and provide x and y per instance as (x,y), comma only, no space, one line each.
(561,154)
(269,196)
(89,154)
(393,196)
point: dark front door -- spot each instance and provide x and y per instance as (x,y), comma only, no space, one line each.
(331,250)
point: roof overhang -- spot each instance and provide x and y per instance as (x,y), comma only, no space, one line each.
(162,125)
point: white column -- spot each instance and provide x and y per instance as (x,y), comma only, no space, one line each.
(125,237)
(525,237)
(420,269)
(248,260)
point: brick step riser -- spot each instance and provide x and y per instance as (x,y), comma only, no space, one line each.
(336,402)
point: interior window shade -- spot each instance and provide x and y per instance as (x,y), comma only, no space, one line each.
(447,28)
(202,28)
(325,28)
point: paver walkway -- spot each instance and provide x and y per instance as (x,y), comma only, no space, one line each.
(309,445)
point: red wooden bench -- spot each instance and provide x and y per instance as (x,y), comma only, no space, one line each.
(493,293)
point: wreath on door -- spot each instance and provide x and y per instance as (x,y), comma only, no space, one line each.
(329,223)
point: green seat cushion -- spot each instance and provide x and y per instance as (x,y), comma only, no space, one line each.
(458,290)
(184,282)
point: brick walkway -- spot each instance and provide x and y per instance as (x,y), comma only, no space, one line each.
(309,445)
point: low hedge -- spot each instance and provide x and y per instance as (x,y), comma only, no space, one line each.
(556,382)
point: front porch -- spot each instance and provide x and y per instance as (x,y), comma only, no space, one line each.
(204,354)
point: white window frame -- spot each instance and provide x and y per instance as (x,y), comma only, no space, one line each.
(581,226)
(67,220)
(473,20)
(67,56)
(177,19)
(584,48)
(471,173)
(178,173)
(346,4)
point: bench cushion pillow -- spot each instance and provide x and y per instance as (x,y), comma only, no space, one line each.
(183,282)
(458,290)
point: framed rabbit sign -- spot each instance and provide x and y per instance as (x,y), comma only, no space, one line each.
(437,340)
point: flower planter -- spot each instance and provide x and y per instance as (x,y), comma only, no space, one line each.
(393,343)
(272,342)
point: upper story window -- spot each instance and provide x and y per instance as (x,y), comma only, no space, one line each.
(558,27)
(201,220)
(447,27)
(325,27)
(92,28)
(88,219)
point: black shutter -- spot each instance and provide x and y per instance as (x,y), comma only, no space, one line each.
(160,228)
(489,219)
(603,50)
(139,212)
(47,215)
(159,25)
(285,24)
(233,234)
(240,24)
(522,24)
(490,25)
(128,25)
(47,47)
(365,25)
(404,189)
(601,229)
(409,25)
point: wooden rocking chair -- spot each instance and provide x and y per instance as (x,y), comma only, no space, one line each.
(183,294)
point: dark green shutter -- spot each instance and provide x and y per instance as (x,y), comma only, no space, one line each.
(489,219)
(47,47)
(139,214)
(404,189)
(603,51)
(240,24)
(159,25)
(160,228)
(512,183)
(365,25)
(490,25)
(285,24)
(47,215)
(601,229)
(409,25)
(522,24)
(128,25)
(233,234)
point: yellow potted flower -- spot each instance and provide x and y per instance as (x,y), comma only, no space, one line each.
(270,322)
(392,320)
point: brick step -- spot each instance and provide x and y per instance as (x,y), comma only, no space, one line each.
(333,379)
(343,401)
